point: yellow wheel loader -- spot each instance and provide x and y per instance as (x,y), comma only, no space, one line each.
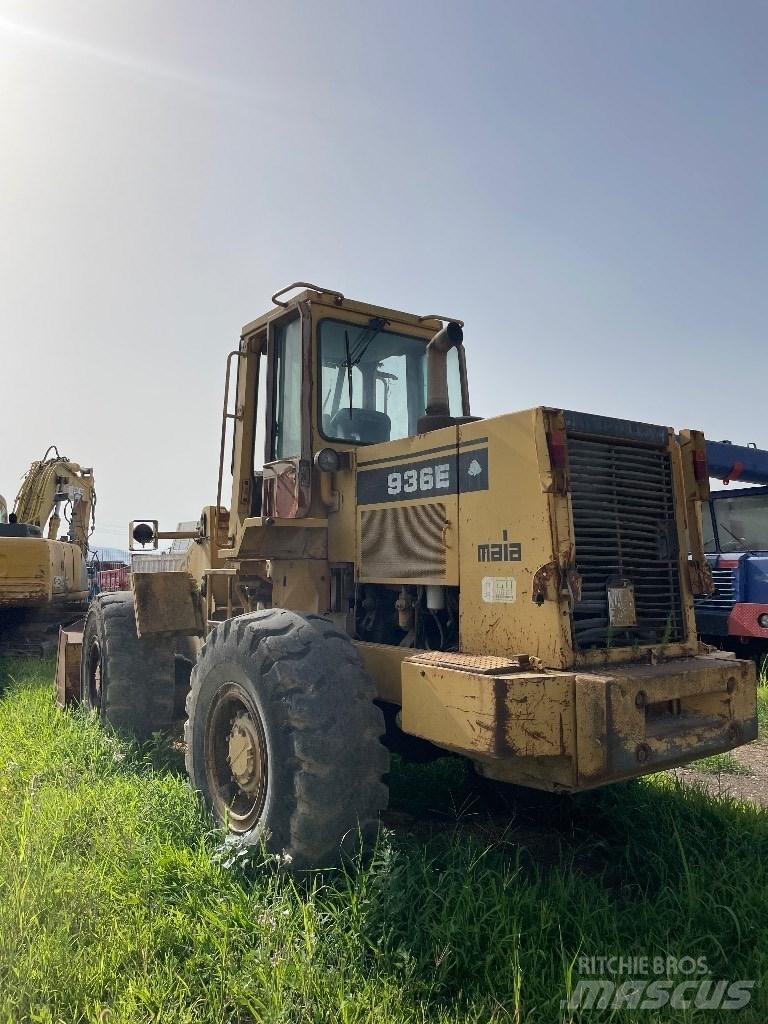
(43,579)
(394,573)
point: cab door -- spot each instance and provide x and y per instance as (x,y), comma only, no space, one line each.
(287,469)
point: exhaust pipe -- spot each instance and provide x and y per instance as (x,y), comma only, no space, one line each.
(438,348)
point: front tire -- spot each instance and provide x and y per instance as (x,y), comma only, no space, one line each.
(128,682)
(283,737)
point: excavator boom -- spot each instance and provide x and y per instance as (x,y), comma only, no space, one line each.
(51,483)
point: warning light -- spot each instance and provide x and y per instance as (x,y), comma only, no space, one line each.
(700,468)
(557,448)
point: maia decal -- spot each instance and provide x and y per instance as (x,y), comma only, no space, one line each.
(503,552)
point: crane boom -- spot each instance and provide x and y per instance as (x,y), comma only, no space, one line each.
(729,462)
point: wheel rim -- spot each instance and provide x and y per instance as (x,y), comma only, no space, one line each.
(93,668)
(236,758)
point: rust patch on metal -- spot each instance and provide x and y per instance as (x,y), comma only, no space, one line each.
(501,716)
(68,664)
(541,581)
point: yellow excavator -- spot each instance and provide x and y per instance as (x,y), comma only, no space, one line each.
(43,577)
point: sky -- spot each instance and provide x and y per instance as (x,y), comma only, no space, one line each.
(585,184)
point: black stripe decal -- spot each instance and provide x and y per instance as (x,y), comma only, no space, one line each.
(433,478)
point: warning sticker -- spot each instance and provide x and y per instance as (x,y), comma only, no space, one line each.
(499,589)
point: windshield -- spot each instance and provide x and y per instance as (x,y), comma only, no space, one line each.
(374,382)
(742,522)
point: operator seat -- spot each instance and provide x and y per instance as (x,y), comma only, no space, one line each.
(368,425)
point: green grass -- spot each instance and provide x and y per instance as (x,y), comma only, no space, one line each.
(115,905)
(720,764)
(762,706)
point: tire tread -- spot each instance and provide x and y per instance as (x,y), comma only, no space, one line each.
(137,674)
(315,684)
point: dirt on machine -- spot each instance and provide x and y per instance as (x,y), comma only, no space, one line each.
(43,576)
(393,573)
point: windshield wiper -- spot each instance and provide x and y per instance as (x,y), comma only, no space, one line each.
(368,334)
(741,541)
(355,356)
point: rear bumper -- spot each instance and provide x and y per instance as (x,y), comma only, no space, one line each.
(742,620)
(651,717)
(573,730)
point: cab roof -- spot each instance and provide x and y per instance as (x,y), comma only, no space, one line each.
(327,297)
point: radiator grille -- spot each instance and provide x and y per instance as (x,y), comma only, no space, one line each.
(624,525)
(724,596)
(403,543)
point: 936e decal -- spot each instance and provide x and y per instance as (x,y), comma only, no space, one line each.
(419,481)
(428,478)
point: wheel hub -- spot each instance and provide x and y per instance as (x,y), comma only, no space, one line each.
(236,754)
(244,753)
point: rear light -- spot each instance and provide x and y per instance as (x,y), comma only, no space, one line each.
(557,448)
(700,468)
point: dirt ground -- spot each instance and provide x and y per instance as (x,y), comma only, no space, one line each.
(752,785)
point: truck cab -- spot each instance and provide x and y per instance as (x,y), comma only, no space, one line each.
(735,532)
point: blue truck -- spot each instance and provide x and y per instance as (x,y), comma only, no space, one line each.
(735,528)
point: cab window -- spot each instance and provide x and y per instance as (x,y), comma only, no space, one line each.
(373,382)
(286,442)
(742,522)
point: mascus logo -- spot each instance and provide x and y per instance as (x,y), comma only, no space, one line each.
(503,552)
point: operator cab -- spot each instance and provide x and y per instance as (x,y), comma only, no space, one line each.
(323,374)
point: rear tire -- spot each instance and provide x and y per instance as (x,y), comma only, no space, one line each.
(128,682)
(283,737)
